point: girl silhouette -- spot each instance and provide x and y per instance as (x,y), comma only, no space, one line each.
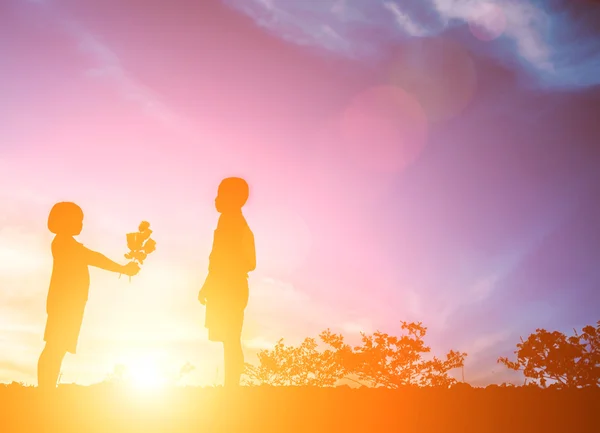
(225,291)
(69,286)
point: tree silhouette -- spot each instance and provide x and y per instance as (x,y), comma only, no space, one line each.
(381,360)
(567,361)
(390,361)
(296,366)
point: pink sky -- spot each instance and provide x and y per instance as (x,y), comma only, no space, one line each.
(136,113)
(152,142)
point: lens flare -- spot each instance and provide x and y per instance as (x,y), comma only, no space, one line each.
(383,129)
(488,22)
(143,373)
(439,73)
(146,375)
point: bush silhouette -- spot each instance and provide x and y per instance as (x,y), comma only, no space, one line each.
(296,366)
(381,361)
(572,362)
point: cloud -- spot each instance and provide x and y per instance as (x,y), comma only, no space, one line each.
(486,342)
(442,311)
(296,23)
(20,346)
(481,366)
(11,367)
(340,9)
(404,20)
(278,309)
(20,252)
(330,38)
(108,66)
(25,259)
(526,24)
(555,44)
(484,287)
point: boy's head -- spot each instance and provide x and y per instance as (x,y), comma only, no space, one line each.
(232,194)
(65,218)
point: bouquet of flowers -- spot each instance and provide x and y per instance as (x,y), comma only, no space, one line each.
(140,244)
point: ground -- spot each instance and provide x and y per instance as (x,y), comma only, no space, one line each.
(107,408)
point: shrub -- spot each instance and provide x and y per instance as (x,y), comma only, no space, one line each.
(569,362)
(381,360)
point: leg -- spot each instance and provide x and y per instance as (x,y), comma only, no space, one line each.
(49,366)
(234,361)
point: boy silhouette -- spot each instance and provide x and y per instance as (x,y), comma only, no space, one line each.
(225,290)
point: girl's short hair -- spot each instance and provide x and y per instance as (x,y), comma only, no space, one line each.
(65,219)
(235,190)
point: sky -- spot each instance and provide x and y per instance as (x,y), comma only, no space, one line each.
(430,160)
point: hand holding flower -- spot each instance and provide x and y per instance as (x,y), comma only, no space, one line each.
(140,245)
(131,269)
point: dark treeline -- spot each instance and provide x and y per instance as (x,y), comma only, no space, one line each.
(381,360)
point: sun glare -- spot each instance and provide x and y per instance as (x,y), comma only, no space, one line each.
(146,374)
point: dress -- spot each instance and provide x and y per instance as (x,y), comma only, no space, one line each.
(67,294)
(226,287)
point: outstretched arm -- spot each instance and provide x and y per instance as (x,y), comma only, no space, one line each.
(99,260)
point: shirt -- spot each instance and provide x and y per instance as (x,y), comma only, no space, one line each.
(70,280)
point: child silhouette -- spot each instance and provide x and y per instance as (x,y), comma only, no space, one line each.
(225,291)
(69,287)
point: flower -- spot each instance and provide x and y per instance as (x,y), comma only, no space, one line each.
(140,244)
(149,246)
(134,241)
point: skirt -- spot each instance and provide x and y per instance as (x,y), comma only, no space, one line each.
(63,326)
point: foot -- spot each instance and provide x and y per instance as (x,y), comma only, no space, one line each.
(232,381)
(46,390)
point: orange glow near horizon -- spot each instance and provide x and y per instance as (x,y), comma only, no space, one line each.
(146,374)
(401,174)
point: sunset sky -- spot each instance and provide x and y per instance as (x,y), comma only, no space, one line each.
(420,160)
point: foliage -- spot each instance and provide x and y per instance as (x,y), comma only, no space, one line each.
(567,361)
(296,366)
(390,361)
(381,360)
(118,374)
